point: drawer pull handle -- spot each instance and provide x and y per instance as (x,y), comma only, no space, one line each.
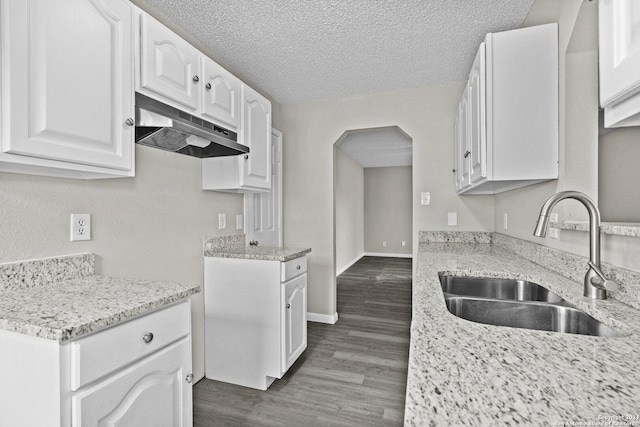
(298,268)
(147,338)
(189,378)
(288,305)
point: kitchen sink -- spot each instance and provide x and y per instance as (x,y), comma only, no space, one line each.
(517,304)
(504,289)
(528,315)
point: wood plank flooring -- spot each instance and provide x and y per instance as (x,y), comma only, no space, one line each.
(352,373)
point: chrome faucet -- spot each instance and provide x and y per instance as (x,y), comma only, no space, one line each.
(596,284)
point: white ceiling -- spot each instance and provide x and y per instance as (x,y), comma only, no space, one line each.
(300,50)
(374,148)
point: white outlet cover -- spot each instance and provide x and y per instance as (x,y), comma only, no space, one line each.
(425,198)
(222,221)
(80,227)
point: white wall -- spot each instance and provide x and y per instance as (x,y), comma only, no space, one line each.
(387,210)
(148,227)
(619,175)
(426,115)
(349,211)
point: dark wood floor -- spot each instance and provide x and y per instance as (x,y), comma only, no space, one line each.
(353,373)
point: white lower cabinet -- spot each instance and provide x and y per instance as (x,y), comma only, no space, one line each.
(151,393)
(255,319)
(294,341)
(135,374)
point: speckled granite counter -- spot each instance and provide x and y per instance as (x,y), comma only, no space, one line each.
(61,299)
(264,253)
(232,246)
(465,373)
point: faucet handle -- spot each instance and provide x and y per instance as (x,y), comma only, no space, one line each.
(601,281)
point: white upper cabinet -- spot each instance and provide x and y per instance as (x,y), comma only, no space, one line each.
(170,68)
(620,62)
(67,88)
(507,124)
(249,172)
(173,71)
(221,96)
(461,166)
(256,134)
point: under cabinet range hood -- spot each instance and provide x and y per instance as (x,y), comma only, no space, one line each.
(161,126)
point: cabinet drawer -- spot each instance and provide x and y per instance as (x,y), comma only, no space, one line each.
(293,268)
(104,352)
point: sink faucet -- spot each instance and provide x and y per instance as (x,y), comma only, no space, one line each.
(596,284)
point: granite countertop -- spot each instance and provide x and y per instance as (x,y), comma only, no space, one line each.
(60,298)
(466,373)
(265,253)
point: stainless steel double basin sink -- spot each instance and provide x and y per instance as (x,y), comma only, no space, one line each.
(517,304)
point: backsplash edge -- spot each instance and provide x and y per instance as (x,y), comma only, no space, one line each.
(573,266)
(37,272)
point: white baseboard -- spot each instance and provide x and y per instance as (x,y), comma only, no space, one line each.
(322,318)
(346,267)
(382,254)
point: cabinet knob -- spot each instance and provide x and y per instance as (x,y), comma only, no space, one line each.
(288,305)
(147,338)
(208,86)
(467,154)
(298,267)
(130,121)
(189,378)
(246,156)
(196,79)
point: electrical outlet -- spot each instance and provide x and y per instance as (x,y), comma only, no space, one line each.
(80,227)
(384,243)
(505,221)
(404,243)
(222,221)
(239,222)
(425,198)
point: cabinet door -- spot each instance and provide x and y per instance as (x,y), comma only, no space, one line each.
(221,100)
(294,340)
(619,49)
(68,81)
(152,393)
(462,144)
(256,133)
(169,66)
(477,113)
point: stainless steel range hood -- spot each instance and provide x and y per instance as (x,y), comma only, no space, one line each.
(161,126)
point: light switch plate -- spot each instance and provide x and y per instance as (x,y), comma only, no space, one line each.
(222,221)
(425,198)
(452,219)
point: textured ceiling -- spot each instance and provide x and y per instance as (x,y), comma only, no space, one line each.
(376,148)
(300,50)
